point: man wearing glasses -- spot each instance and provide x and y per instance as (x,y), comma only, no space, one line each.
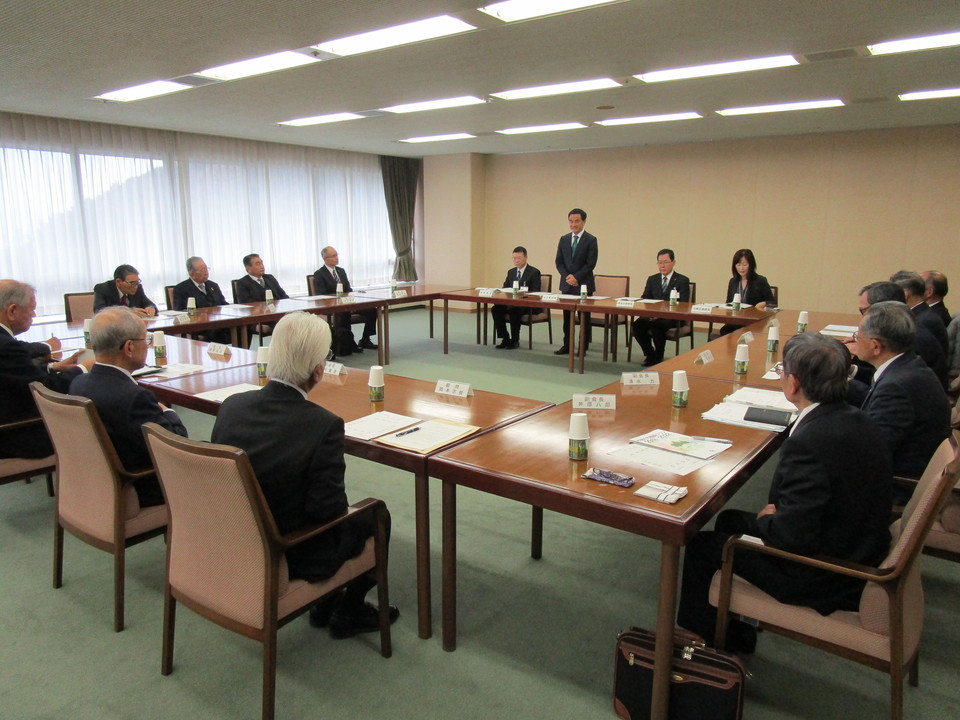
(120,341)
(125,290)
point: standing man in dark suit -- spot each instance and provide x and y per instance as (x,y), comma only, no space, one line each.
(253,286)
(936,291)
(914,290)
(905,399)
(126,290)
(830,495)
(22,363)
(120,341)
(576,259)
(325,281)
(651,333)
(205,292)
(527,277)
(296,449)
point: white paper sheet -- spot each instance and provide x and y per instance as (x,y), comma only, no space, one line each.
(428,435)
(377,424)
(223,393)
(732,414)
(174,370)
(659,459)
(758,397)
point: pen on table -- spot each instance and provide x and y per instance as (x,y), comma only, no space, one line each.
(710,439)
(407,432)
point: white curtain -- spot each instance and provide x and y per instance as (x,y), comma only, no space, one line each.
(77,199)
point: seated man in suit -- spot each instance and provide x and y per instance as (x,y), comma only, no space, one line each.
(205,292)
(830,495)
(325,281)
(936,290)
(651,333)
(120,341)
(528,278)
(253,286)
(905,398)
(296,449)
(125,289)
(22,363)
(914,290)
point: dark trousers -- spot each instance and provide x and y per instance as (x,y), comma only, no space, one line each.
(341,327)
(651,333)
(566,328)
(502,312)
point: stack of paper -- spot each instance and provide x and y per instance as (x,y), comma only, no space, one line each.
(839,331)
(683,444)
(758,397)
(736,405)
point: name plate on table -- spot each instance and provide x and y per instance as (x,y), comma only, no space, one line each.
(346,300)
(333,368)
(702,308)
(181,318)
(747,337)
(456,389)
(399,294)
(704,358)
(550,297)
(594,402)
(626,303)
(218,349)
(640,378)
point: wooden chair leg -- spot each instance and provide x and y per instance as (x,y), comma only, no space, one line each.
(536,533)
(914,671)
(57,554)
(118,582)
(49,484)
(269,671)
(169,625)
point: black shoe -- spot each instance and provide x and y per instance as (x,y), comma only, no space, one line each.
(320,613)
(562,351)
(367,619)
(649,360)
(514,344)
(504,345)
(368,344)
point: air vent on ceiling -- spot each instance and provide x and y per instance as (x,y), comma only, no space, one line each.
(831,55)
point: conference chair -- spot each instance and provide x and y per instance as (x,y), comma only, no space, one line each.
(884,633)
(168,294)
(261,329)
(355,318)
(530,318)
(13,469)
(96,501)
(713,335)
(683,329)
(78,306)
(225,556)
(614,286)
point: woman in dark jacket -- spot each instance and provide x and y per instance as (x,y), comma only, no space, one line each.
(753,288)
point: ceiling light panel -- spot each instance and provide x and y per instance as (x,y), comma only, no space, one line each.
(439,138)
(405,34)
(321,119)
(541,128)
(783,107)
(650,119)
(930,42)
(724,68)
(559,89)
(514,10)
(930,94)
(146,90)
(434,104)
(257,66)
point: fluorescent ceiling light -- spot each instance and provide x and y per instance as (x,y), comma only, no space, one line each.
(321,119)
(438,138)
(147,90)
(651,119)
(398,35)
(808,105)
(930,94)
(513,10)
(724,68)
(560,89)
(434,104)
(541,128)
(257,66)
(931,42)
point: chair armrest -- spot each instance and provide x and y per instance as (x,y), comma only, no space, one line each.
(127,478)
(17,424)
(300,535)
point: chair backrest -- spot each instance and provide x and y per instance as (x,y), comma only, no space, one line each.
(78,306)
(233,287)
(546,282)
(693,292)
(612,285)
(218,554)
(311,288)
(88,469)
(168,293)
(775,291)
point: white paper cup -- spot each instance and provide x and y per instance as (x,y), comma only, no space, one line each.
(802,321)
(86,331)
(741,360)
(263,357)
(159,344)
(339,289)
(516,286)
(375,383)
(736,301)
(681,388)
(579,437)
(269,296)
(773,339)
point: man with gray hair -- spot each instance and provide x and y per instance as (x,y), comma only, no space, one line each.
(205,292)
(830,495)
(22,363)
(905,398)
(120,340)
(914,290)
(296,449)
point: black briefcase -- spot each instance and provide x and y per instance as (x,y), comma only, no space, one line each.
(705,684)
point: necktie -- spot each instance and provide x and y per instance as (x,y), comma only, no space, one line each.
(262,283)
(518,274)
(125,301)
(663,285)
(203,288)
(573,245)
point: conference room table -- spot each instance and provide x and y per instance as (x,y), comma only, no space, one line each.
(528,461)
(347,396)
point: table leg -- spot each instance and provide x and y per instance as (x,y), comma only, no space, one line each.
(422,493)
(446,310)
(385,338)
(666,610)
(449,555)
(613,338)
(431,319)
(477,313)
(581,351)
(381,346)
(571,334)
(536,533)
(485,308)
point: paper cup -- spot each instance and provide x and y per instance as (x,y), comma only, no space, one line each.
(375,383)
(579,436)
(741,360)
(802,321)
(86,331)
(263,357)
(674,296)
(191,305)
(773,339)
(339,289)
(736,301)
(159,345)
(681,388)
(516,286)
(269,296)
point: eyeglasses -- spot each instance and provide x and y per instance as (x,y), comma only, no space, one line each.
(135,283)
(148,339)
(857,335)
(330,355)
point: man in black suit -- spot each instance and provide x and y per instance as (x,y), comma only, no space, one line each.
(296,449)
(914,290)
(651,333)
(22,363)
(253,286)
(126,290)
(120,340)
(936,290)
(325,281)
(905,398)
(830,495)
(527,277)
(205,292)
(576,259)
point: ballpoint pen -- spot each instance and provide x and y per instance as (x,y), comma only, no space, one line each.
(712,439)
(407,432)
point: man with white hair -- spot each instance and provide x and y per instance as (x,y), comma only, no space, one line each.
(296,449)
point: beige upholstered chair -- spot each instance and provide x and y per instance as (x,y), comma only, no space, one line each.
(225,556)
(78,306)
(683,329)
(612,286)
(885,632)
(168,296)
(13,469)
(531,319)
(96,501)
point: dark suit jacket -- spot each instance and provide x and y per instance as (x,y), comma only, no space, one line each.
(17,371)
(931,320)
(124,407)
(530,278)
(187,289)
(106,294)
(910,408)
(296,449)
(249,290)
(833,492)
(580,265)
(653,289)
(324,284)
(758,290)
(940,310)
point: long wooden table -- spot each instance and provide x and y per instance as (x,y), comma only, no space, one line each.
(502,463)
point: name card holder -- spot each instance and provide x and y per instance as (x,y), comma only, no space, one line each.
(747,337)
(704,308)
(218,349)
(181,318)
(640,378)
(704,358)
(399,294)
(456,389)
(594,402)
(626,303)
(346,300)
(550,297)
(486,292)
(333,368)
